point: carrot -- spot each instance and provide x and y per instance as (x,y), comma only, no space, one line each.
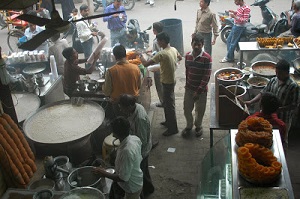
(28,170)
(20,135)
(10,140)
(13,156)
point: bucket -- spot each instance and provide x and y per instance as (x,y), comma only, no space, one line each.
(174,29)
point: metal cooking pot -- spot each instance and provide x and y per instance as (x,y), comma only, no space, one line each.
(60,128)
(84,192)
(264,68)
(229,81)
(83,177)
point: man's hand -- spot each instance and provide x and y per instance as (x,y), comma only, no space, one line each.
(195,96)
(99,171)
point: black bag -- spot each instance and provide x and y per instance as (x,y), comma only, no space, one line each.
(76,42)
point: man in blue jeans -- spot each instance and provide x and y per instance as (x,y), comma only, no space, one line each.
(240,17)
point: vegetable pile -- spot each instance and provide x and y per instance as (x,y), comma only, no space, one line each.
(16,157)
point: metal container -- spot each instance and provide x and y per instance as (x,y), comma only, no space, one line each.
(84,192)
(83,177)
(42,184)
(236,74)
(258,81)
(64,163)
(239,91)
(43,194)
(296,64)
(60,128)
(264,68)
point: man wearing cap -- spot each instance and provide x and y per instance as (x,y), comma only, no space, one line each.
(84,33)
(116,23)
(287,91)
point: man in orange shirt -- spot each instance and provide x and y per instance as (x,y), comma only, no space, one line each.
(122,78)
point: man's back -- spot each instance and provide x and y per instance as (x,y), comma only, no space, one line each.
(128,162)
(125,79)
(167,59)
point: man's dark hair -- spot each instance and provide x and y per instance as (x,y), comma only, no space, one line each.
(269,103)
(120,126)
(163,36)
(83,7)
(75,10)
(283,65)
(67,53)
(119,52)
(198,38)
(158,26)
(207,2)
(127,100)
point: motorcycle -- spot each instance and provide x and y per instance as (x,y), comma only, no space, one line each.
(270,27)
(128,4)
(135,38)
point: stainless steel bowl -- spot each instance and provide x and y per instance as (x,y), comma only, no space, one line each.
(43,194)
(257,81)
(229,70)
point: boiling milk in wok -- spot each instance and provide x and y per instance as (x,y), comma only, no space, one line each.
(63,122)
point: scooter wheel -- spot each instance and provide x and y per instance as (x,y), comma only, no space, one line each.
(225,33)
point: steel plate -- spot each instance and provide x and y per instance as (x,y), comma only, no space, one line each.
(62,122)
(34,68)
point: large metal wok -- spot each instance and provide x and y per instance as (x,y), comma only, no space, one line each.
(62,122)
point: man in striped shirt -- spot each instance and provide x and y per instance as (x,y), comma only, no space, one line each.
(286,90)
(198,70)
(241,17)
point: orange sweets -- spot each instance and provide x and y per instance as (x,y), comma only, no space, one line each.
(255,130)
(258,164)
(133,58)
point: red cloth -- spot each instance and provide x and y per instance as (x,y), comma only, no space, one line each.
(274,120)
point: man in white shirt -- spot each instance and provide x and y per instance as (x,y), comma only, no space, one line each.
(128,176)
(56,49)
(84,33)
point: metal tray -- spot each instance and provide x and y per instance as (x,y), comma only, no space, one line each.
(62,122)
(26,194)
(263,192)
(284,47)
(239,182)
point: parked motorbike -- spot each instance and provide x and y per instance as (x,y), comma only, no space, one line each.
(135,38)
(270,27)
(128,4)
